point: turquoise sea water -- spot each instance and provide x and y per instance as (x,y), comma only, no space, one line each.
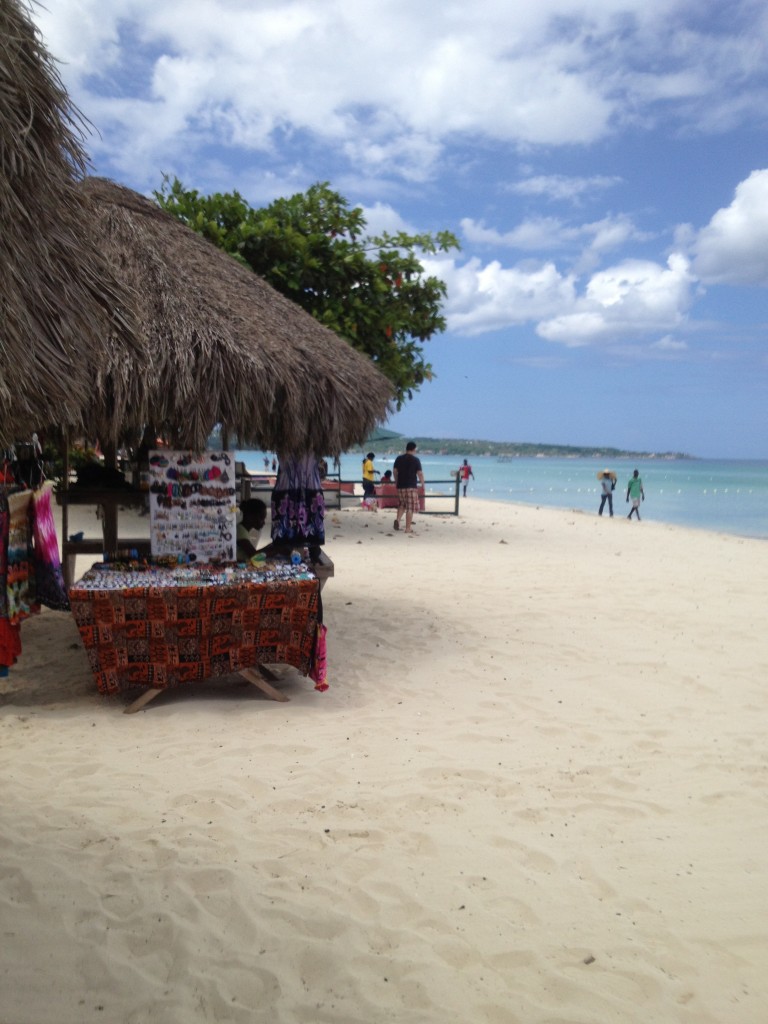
(729,496)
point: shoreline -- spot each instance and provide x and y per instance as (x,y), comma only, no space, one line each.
(534,791)
(725,496)
(649,520)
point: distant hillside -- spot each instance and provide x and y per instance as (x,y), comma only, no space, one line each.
(519,449)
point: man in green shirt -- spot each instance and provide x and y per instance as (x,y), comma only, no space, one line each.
(636,493)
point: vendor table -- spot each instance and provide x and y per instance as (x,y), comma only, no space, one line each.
(165,627)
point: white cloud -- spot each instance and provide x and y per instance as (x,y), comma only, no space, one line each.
(381,218)
(488,297)
(550,234)
(534,235)
(560,187)
(413,154)
(390,83)
(733,247)
(670,345)
(632,299)
(611,233)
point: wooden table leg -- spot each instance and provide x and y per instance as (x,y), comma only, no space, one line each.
(139,703)
(257,678)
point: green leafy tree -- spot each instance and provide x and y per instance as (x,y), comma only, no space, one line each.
(312,247)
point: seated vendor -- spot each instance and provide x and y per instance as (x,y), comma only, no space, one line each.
(252,515)
(386,477)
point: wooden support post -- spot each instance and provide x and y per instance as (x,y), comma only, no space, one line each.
(65,488)
(109,510)
(258,680)
(141,701)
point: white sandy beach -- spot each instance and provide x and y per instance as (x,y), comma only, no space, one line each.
(535,793)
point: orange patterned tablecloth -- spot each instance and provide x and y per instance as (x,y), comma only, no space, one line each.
(163,636)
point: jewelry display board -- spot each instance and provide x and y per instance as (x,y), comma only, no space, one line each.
(192,505)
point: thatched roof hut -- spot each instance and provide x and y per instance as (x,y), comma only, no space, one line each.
(225,347)
(57,294)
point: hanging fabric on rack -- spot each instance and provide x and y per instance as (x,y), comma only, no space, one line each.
(5,517)
(30,567)
(20,580)
(49,579)
(10,635)
(6,471)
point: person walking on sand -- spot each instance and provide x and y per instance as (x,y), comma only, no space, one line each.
(636,493)
(607,486)
(408,476)
(465,472)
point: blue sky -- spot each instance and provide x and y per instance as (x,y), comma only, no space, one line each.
(604,165)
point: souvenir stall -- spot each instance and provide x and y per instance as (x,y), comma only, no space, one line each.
(191,611)
(118,316)
(224,349)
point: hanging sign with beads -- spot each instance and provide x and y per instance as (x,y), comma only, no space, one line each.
(192,505)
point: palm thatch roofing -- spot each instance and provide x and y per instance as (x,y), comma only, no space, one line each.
(57,293)
(224,346)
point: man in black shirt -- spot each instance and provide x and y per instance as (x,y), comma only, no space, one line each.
(408,476)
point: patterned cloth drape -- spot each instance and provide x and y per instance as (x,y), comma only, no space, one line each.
(164,636)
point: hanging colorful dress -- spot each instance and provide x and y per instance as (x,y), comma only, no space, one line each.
(49,579)
(30,567)
(17,570)
(298,504)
